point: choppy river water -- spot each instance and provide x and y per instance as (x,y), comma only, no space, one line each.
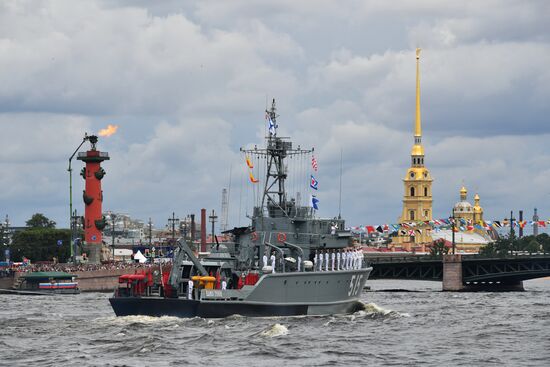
(423,327)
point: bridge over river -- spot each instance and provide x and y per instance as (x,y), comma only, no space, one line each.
(464,272)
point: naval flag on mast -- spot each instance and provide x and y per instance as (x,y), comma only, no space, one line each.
(314,202)
(271,124)
(314,183)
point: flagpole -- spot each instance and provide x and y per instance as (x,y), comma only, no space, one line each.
(340,196)
(453,230)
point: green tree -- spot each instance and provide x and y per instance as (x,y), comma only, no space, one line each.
(503,245)
(533,246)
(41,244)
(39,220)
(439,248)
(488,250)
(544,240)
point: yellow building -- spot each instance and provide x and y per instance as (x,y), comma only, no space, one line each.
(464,210)
(417,198)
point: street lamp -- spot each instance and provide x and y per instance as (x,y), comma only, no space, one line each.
(4,237)
(86,137)
(173,224)
(113,217)
(150,223)
(453,230)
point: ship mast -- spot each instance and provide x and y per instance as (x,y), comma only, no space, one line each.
(277,150)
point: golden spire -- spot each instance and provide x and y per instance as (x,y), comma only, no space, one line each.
(417,149)
(417,122)
(476,201)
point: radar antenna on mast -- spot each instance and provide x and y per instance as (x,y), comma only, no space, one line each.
(277,150)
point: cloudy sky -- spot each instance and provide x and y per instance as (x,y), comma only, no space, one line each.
(187,82)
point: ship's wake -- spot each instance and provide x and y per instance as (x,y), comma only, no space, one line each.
(140,320)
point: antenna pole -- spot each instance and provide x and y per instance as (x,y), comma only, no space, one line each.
(340,198)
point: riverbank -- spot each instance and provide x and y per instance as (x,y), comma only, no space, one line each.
(90,279)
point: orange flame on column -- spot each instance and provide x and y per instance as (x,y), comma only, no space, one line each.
(110,130)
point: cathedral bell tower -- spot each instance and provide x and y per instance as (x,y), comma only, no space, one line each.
(417,199)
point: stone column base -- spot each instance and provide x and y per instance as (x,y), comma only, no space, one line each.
(452,273)
(93,251)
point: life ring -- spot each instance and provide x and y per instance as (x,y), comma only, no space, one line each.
(281,237)
(253,236)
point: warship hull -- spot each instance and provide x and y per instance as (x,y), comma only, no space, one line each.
(285,294)
(188,308)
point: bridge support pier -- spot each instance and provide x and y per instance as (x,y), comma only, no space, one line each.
(452,273)
(453,280)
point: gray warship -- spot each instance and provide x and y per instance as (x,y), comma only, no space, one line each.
(234,277)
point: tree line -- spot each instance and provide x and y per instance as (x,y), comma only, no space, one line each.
(40,241)
(513,245)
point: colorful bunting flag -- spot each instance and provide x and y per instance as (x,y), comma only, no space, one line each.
(249,162)
(252,178)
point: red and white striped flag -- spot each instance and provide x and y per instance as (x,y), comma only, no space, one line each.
(314,163)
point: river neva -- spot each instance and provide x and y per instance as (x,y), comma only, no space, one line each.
(422,326)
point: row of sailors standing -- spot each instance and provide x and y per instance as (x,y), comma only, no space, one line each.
(334,260)
(325,260)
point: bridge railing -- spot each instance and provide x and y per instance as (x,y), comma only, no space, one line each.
(401,259)
(428,258)
(513,255)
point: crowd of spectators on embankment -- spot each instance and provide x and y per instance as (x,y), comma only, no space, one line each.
(71,268)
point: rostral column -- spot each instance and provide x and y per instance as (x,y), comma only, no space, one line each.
(93,200)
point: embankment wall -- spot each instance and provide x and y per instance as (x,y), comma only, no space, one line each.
(88,281)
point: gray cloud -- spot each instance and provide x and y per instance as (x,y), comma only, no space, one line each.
(187,83)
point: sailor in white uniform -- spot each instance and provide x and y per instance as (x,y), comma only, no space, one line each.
(190,289)
(338,256)
(315,261)
(265,260)
(333,258)
(345,259)
(321,260)
(326,260)
(299,263)
(224,284)
(272,258)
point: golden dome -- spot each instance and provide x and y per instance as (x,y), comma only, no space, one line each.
(477,207)
(463,206)
(417,150)
(463,193)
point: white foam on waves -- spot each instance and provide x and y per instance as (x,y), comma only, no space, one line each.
(373,310)
(274,331)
